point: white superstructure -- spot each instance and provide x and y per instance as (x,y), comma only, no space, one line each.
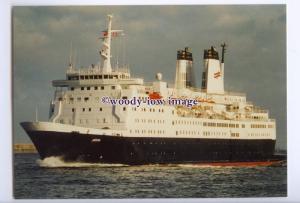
(77,104)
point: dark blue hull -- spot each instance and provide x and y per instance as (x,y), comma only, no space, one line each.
(137,150)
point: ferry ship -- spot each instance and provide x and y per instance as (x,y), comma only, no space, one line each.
(222,127)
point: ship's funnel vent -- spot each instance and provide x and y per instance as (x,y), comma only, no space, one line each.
(211,53)
(185,54)
(184,69)
(213,72)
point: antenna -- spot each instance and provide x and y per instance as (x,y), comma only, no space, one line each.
(71,56)
(223,51)
(36,114)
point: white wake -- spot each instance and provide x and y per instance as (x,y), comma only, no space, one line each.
(58,162)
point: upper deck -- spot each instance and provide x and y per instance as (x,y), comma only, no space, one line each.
(95,76)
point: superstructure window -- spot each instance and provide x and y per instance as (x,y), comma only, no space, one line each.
(102,87)
(88,88)
(86,77)
(110,77)
(73,78)
(83,109)
(100,109)
(105,76)
(72,88)
(73,110)
(100,76)
(113,87)
(86,99)
(95,88)
(81,77)
(90,109)
(82,88)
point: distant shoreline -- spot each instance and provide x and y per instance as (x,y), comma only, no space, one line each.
(24,148)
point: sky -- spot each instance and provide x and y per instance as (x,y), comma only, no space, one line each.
(255,61)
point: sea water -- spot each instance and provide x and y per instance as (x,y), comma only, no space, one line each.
(53,178)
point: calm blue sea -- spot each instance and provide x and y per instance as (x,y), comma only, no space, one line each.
(51,178)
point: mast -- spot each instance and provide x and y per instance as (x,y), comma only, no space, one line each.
(105,51)
(223,51)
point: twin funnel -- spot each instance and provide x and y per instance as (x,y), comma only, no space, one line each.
(213,72)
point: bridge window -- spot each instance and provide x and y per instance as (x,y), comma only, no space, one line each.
(100,76)
(86,77)
(73,78)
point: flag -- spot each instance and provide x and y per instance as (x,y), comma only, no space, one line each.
(114,33)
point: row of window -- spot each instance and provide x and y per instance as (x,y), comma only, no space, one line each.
(93,88)
(81,121)
(184,122)
(186,132)
(149,121)
(148,131)
(86,121)
(150,110)
(95,77)
(234,99)
(255,117)
(90,109)
(207,133)
(258,126)
(259,134)
(71,99)
(224,125)
(235,134)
